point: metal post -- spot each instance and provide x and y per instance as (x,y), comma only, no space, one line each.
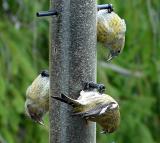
(72,60)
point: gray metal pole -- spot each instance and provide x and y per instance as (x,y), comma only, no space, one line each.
(72,60)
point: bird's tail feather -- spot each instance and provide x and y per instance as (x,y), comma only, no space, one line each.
(66,100)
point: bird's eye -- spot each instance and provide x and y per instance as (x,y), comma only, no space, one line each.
(39,114)
(28,105)
(32,115)
(118,51)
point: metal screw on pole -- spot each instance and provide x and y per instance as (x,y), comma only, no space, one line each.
(72,60)
(46,13)
(55,12)
(105,6)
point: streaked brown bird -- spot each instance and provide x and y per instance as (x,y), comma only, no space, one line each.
(37,97)
(111,32)
(95,106)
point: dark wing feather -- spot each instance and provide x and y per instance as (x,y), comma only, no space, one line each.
(95,111)
(66,100)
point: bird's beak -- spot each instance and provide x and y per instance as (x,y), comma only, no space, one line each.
(41,122)
(109,57)
(103,132)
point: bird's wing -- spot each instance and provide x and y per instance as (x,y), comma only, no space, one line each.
(99,110)
(123,27)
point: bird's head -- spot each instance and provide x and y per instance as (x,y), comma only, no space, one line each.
(116,48)
(34,112)
(113,53)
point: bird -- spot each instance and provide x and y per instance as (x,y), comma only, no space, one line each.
(37,97)
(111,31)
(95,106)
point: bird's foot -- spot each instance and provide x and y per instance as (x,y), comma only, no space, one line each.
(110,8)
(92,85)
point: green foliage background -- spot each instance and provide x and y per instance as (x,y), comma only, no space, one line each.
(133,78)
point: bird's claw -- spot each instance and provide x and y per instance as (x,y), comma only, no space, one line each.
(110,8)
(92,85)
